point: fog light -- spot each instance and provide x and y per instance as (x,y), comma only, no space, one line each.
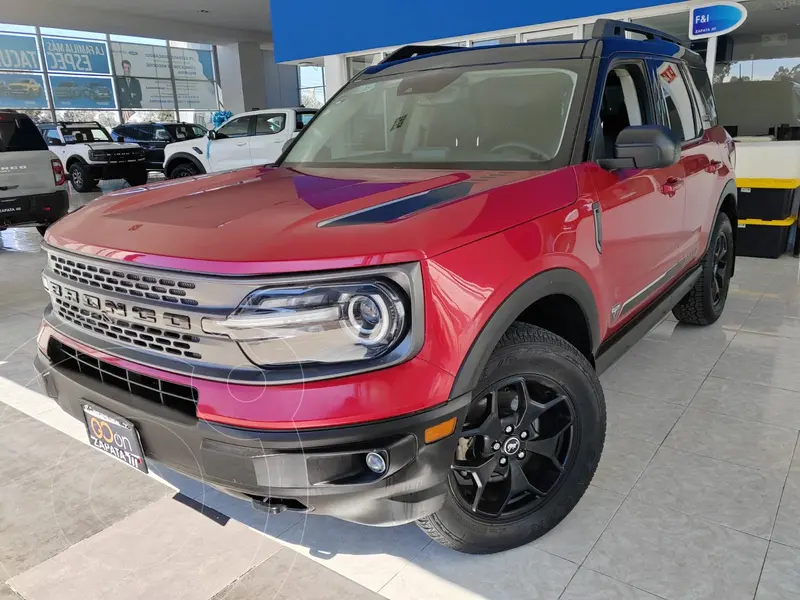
(376,463)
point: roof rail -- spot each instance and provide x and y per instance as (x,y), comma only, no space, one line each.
(604,28)
(416,50)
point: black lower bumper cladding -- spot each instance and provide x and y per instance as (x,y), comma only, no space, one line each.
(320,470)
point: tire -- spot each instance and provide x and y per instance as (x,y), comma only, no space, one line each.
(704,303)
(137,177)
(185,169)
(81,177)
(541,355)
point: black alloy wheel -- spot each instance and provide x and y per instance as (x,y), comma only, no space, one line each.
(514,447)
(528,446)
(720,269)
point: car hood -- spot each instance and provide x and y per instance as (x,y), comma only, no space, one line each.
(262,220)
(111,146)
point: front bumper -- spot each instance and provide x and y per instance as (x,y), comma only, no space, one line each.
(116,170)
(320,470)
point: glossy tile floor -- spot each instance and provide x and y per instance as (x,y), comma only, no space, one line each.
(697,495)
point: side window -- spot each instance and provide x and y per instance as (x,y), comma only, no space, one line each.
(269,124)
(236,128)
(677,109)
(625,102)
(705,96)
(51,135)
(198,131)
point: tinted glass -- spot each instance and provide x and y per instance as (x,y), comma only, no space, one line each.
(236,128)
(303,119)
(461,115)
(679,112)
(269,124)
(19,135)
(708,107)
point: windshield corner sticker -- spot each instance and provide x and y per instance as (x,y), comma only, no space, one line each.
(712,20)
(398,122)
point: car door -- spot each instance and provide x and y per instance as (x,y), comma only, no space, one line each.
(640,214)
(679,112)
(55,142)
(231,147)
(271,132)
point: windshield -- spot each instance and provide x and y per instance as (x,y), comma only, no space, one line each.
(19,135)
(465,116)
(84,133)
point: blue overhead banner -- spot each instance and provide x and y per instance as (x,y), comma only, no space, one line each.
(715,19)
(18,53)
(82,92)
(353,25)
(22,91)
(75,56)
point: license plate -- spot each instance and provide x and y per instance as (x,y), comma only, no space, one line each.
(13,205)
(115,436)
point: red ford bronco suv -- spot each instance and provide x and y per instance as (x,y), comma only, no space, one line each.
(405,317)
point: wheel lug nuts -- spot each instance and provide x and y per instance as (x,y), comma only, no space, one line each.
(503,461)
(496,446)
(520,455)
(524,435)
(509,429)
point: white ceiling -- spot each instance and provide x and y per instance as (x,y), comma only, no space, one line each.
(225,21)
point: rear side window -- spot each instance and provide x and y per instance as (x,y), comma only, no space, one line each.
(303,119)
(19,134)
(677,109)
(705,96)
(269,124)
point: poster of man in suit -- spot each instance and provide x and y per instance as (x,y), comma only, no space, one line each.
(129,89)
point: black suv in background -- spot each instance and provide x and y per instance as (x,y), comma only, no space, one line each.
(153,137)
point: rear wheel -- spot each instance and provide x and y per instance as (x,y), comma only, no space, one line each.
(706,300)
(137,177)
(529,446)
(81,176)
(186,169)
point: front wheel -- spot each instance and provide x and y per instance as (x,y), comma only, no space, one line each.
(528,448)
(137,177)
(81,176)
(704,303)
(186,169)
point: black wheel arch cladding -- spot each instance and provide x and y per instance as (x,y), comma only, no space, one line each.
(552,282)
(182,157)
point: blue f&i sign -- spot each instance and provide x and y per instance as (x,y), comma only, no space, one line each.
(712,20)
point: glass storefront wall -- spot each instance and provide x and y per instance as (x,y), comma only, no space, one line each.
(90,76)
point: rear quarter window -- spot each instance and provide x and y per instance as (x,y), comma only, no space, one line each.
(19,135)
(705,95)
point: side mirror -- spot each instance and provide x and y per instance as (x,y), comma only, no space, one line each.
(644,147)
(286,144)
(212,135)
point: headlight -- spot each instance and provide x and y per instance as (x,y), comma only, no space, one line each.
(97,154)
(319,323)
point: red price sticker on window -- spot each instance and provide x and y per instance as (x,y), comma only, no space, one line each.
(669,74)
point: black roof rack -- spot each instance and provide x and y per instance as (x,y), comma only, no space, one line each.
(604,28)
(417,50)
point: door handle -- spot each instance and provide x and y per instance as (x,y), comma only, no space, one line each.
(713,166)
(670,187)
(241,143)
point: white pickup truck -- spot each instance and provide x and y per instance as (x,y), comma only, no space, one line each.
(251,138)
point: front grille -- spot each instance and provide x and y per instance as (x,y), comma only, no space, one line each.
(152,338)
(125,282)
(174,395)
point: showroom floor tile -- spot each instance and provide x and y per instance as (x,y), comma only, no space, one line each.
(697,495)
